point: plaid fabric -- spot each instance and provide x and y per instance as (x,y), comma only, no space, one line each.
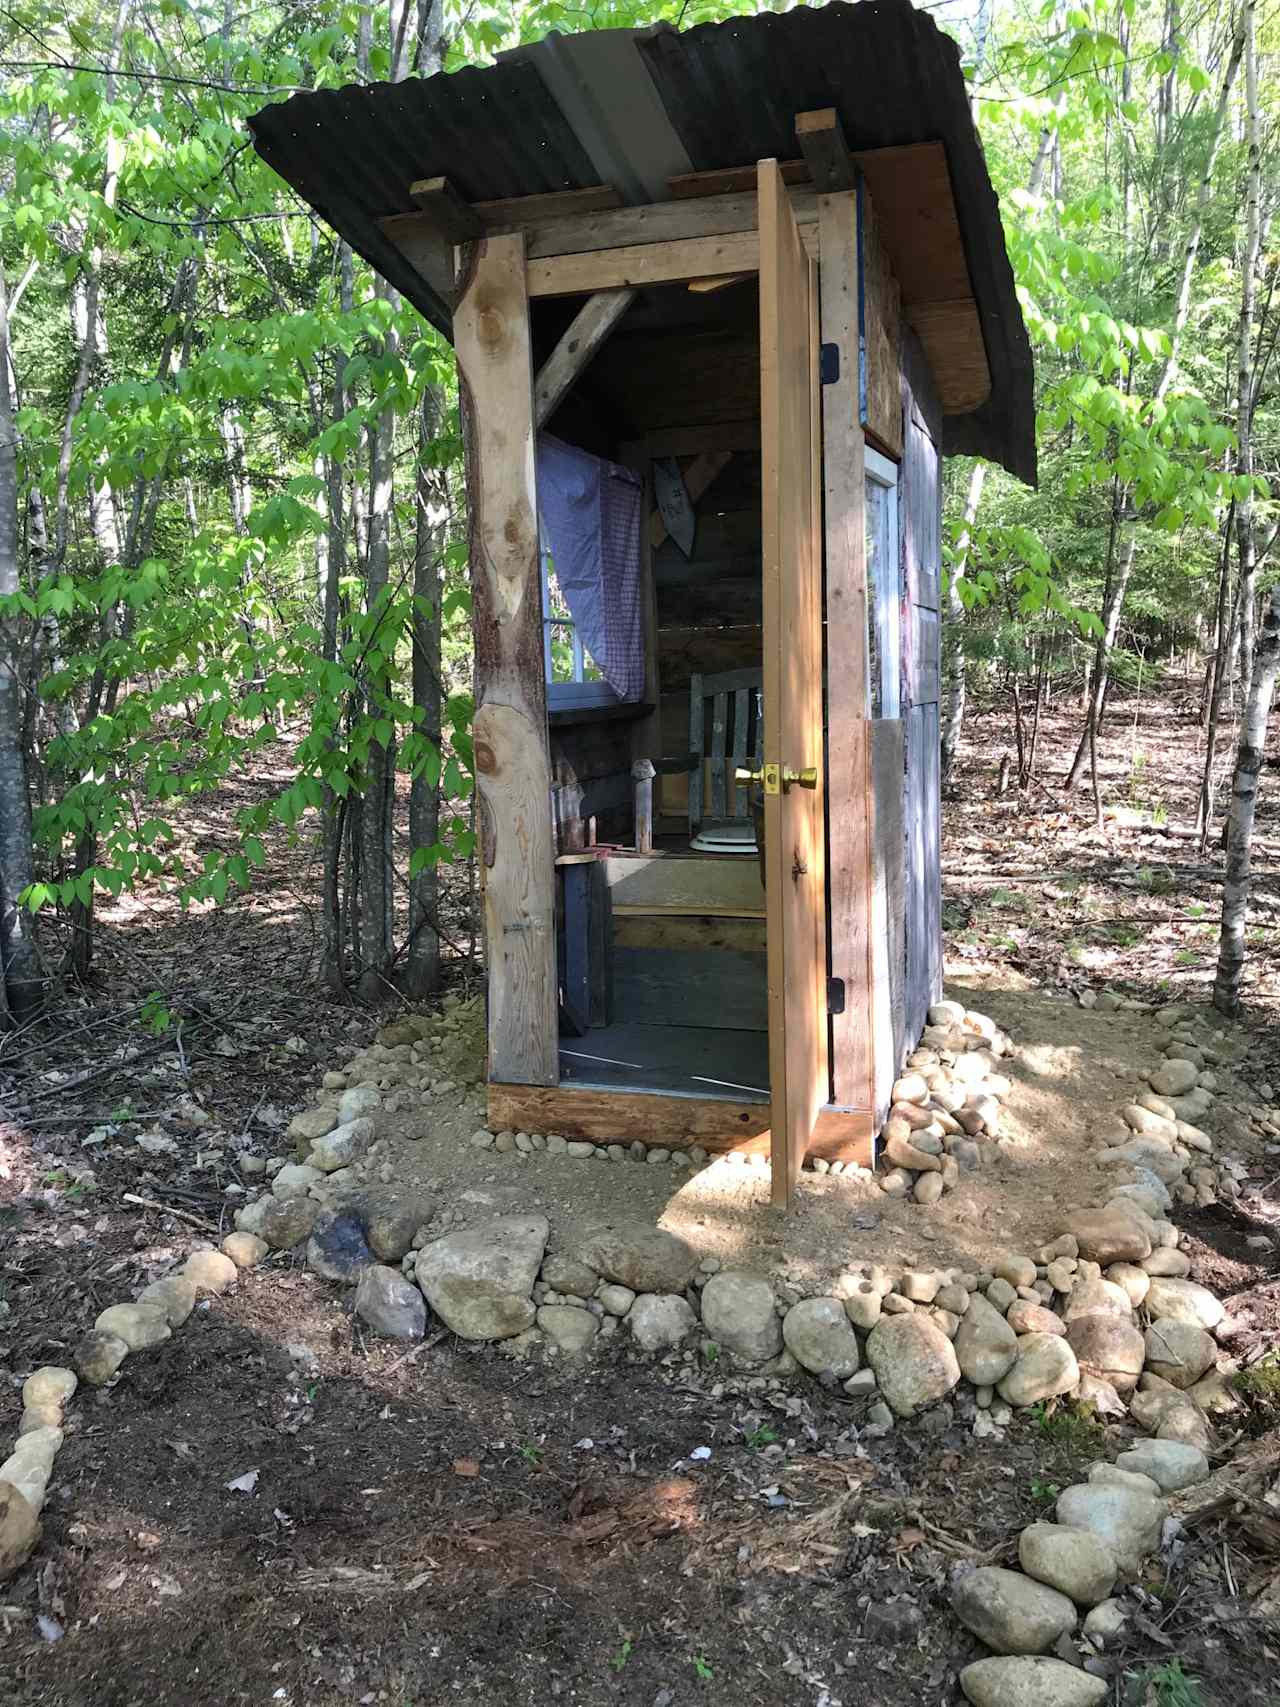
(589,512)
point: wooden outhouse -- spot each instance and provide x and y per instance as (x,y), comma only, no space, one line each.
(721,300)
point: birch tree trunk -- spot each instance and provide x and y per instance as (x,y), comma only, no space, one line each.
(1246,544)
(21,983)
(422,965)
(1244,796)
(956,684)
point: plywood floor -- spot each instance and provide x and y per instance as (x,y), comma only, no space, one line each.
(701,1061)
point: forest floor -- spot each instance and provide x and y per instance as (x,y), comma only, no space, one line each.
(447,1524)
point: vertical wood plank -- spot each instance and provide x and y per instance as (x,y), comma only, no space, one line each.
(848,747)
(513,772)
(575,986)
(880,318)
(741,717)
(795,837)
(719,748)
(697,736)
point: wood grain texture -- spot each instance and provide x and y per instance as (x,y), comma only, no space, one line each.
(951,334)
(674,1122)
(640,264)
(721,989)
(888,906)
(880,325)
(584,335)
(821,138)
(726,887)
(657,222)
(848,755)
(794,819)
(688,931)
(513,774)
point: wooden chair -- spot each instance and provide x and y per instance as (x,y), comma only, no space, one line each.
(732,700)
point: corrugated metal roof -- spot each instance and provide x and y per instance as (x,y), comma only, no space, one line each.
(730,91)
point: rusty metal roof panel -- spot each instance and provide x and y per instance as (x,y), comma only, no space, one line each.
(730,93)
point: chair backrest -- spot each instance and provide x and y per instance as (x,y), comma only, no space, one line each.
(726,730)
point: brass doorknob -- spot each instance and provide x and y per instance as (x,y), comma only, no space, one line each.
(806,778)
(742,774)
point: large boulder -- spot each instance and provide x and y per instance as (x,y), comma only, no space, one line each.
(1074,1561)
(647,1259)
(1183,1301)
(1011,1613)
(1108,1346)
(1028,1680)
(738,1314)
(914,1361)
(1179,1352)
(1108,1235)
(1046,1367)
(986,1346)
(1127,1521)
(818,1334)
(479,1282)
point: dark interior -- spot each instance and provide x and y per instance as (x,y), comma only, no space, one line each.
(686,1007)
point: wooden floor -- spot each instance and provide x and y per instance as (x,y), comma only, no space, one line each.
(702,1061)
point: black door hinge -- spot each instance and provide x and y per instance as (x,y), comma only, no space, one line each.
(835,995)
(829,363)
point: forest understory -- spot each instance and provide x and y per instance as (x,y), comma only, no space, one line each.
(435,1527)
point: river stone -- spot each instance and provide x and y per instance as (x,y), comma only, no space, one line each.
(914,1361)
(1028,1680)
(175,1294)
(312,1123)
(1074,1561)
(49,1385)
(1183,1301)
(738,1314)
(479,1282)
(282,1225)
(1179,1352)
(1133,1281)
(1108,1235)
(659,1321)
(1018,1271)
(568,1327)
(1046,1367)
(99,1355)
(210,1271)
(343,1146)
(1106,1620)
(1027,1318)
(390,1304)
(1126,1520)
(1011,1613)
(647,1259)
(565,1274)
(1107,1346)
(1167,1462)
(820,1337)
(19,1530)
(138,1325)
(617,1300)
(295,1179)
(358,1102)
(903,1154)
(986,1346)
(1167,1261)
(863,1306)
(1173,1078)
(1158,1159)
(1111,1476)
(246,1250)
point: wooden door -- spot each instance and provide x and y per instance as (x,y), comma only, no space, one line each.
(791,505)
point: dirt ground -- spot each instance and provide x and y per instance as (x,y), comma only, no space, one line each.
(447,1524)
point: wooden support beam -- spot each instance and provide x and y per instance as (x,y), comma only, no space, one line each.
(513,769)
(675,261)
(512,213)
(730,180)
(449,215)
(588,329)
(821,138)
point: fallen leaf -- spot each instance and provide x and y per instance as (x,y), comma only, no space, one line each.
(243,1484)
(466,1467)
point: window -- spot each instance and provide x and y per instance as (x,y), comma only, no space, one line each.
(884,586)
(574,678)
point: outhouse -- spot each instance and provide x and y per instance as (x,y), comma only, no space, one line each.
(721,299)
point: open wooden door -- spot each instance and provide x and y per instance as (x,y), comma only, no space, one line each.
(795,900)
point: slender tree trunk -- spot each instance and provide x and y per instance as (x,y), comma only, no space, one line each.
(422,965)
(1246,544)
(21,980)
(956,684)
(1224,640)
(1244,795)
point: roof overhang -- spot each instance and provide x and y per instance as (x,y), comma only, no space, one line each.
(640,117)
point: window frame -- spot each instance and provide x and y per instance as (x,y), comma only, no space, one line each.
(882,471)
(578,694)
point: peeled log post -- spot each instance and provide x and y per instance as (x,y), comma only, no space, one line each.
(1244,795)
